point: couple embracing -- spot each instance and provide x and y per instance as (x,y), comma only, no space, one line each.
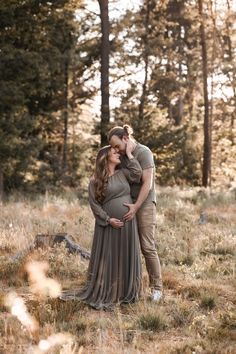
(123,200)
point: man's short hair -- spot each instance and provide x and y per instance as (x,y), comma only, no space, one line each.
(126,130)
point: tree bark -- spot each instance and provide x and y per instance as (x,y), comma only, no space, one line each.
(180,103)
(212,65)
(146,64)
(233,78)
(65,118)
(105,51)
(207,146)
(1,185)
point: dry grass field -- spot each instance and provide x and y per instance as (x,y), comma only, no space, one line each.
(196,241)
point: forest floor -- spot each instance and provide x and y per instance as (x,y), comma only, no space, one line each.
(196,242)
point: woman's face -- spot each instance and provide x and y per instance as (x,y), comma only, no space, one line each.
(113,156)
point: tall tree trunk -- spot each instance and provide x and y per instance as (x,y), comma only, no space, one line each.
(212,67)
(105,51)
(232,78)
(207,146)
(180,99)
(146,63)
(65,118)
(1,185)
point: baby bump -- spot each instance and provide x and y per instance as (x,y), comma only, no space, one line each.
(115,208)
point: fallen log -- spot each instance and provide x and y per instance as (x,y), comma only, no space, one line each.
(42,241)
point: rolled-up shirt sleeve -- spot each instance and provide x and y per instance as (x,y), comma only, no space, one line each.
(132,170)
(145,159)
(102,218)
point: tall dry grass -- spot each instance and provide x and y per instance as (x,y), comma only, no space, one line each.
(196,239)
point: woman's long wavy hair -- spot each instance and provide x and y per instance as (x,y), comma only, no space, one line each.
(101,173)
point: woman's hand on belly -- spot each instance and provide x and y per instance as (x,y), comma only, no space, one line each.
(116,208)
(116,223)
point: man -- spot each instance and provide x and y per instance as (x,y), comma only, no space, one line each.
(144,202)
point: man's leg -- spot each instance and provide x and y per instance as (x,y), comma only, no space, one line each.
(146,217)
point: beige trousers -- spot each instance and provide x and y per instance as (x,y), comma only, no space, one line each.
(146,218)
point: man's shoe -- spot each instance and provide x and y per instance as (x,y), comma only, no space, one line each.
(156,295)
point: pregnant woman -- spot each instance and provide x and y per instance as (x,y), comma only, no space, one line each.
(114,272)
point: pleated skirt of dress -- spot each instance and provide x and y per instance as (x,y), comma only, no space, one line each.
(114,272)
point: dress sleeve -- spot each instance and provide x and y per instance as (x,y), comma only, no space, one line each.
(132,170)
(100,215)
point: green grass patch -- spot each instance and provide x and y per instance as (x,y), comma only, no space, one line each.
(152,322)
(208,302)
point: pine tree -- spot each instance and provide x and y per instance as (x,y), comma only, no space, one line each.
(105,52)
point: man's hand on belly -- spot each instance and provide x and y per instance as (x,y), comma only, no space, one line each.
(116,223)
(132,211)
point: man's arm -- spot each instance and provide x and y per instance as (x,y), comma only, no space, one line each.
(147,177)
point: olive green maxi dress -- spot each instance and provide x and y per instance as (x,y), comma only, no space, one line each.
(114,272)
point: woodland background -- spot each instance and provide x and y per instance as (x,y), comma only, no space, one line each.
(172,76)
(69,70)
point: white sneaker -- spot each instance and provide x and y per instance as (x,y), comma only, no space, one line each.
(156,295)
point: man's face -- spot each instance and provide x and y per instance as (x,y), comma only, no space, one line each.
(119,144)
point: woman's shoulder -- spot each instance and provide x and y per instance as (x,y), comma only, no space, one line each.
(119,175)
(117,171)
